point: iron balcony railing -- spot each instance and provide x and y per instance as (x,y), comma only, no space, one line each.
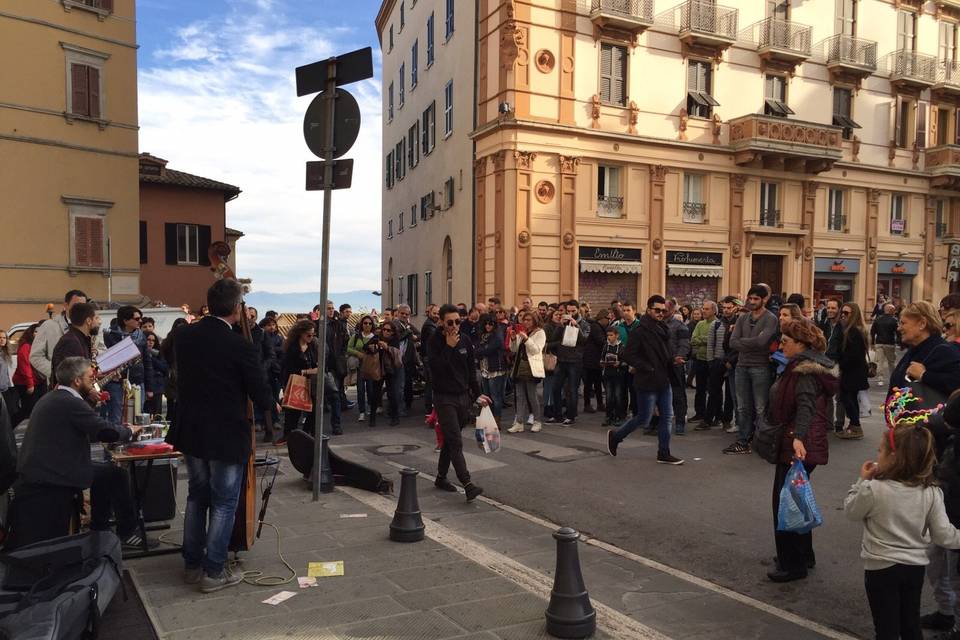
(610,206)
(847,50)
(906,64)
(640,10)
(694,212)
(770,218)
(785,34)
(704,16)
(948,73)
(837,222)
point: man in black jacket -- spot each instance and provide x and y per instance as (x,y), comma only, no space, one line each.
(430,326)
(77,341)
(54,463)
(454,374)
(218,370)
(832,328)
(886,338)
(651,363)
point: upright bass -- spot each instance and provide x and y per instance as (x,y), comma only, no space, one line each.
(244,523)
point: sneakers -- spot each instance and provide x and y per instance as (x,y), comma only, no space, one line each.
(705,426)
(134,542)
(937,621)
(696,418)
(536,427)
(737,448)
(516,428)
(550,420)
(666,458)
(192,576)
(361,417)
(853,433)
(226,579)
(444,485)
(786,576)
(472,491)
(729,428)
(567,422)
(612,443)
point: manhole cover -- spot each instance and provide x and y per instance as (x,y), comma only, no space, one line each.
(393,449)
(581,453)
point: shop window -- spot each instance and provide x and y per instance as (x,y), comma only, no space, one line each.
(775,97)
(613,74)
(609,195)
(836,218)
(769,205)
(694,207)
(942,210)
(898,222)
(700,100)
(842,111)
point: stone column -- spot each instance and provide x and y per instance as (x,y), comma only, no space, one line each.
(804,252)
(499,223)
(871,266)
(737,237)
(568,166)
(929,246)
(524,181)
(568,37)
(480,173)
(656,277)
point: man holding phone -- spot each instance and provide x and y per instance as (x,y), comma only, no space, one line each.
(455,385)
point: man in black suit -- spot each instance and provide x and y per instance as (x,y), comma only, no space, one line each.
(54,463)
(218,370)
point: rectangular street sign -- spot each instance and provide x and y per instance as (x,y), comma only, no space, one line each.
(351,67)
(342,174)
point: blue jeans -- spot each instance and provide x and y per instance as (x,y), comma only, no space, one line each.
(495,388)
(566,381)
(365,394)
(548,410)
(214,489)
(646,402)
(614,387)
(752,385)
(115,403)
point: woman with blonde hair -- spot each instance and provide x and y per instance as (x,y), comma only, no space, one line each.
(853,367)
(929,359)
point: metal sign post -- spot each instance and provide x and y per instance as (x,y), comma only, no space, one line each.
(322,134)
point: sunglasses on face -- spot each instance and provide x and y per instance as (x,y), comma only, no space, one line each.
(845,313)
(658,309)
(453,323)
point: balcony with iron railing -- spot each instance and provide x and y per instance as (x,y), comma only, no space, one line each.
(948,79)
(633,16)
(943,164)
(695,212)
(610,206)
(912,70)
(707,24)
(770,218)
(783,40)
(769,142)
(854,56)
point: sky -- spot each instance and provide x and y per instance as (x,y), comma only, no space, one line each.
(217,98)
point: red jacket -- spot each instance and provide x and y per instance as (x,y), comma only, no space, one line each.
(802,399)
(23,376)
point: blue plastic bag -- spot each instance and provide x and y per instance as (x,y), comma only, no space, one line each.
(798,511)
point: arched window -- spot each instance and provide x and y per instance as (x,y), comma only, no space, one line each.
(448,268)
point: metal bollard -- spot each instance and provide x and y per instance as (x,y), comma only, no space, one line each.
(326,473)
(569,614)
(407,524)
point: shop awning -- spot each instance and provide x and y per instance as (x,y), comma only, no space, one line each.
(609,266)
(695,271)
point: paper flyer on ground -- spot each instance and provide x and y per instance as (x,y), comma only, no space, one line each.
(280,597)
(325,569)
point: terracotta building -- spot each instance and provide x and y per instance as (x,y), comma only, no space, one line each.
(180,215)
(68,154)
(623,148)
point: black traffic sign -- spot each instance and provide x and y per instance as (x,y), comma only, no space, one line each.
(351,67)
(346,127)
(342,174)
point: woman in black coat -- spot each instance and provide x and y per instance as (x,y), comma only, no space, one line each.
(592,372)
(929,358)
(853,367)
(300,357)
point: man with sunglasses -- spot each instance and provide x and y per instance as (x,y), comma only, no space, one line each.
(128,325)
(454,374)
(648,355)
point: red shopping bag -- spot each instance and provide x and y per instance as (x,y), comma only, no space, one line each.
(297,394)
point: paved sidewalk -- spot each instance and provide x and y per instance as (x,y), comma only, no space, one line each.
(482,573)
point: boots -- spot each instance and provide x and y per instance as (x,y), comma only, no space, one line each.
(516,428)
(536,427)
(853,432)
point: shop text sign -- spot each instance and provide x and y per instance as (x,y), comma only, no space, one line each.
(610,253)
(698,258)
(953,272)
(837,265)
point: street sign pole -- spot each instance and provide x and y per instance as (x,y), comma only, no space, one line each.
(330,95)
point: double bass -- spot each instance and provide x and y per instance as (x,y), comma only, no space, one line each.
(244,523)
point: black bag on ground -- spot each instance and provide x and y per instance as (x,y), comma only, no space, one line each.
(766,438)
(58,589)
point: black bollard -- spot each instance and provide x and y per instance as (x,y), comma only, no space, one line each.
(326,473)
(407,525)
(569,614)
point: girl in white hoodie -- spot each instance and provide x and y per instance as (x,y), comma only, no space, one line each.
(902,512)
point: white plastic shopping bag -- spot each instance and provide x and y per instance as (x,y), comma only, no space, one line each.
(570,335)
(487,433)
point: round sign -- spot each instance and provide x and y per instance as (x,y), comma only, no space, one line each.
(346,125)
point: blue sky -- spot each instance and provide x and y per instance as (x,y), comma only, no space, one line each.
(217,98)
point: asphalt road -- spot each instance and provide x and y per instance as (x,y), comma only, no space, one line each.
(711,517)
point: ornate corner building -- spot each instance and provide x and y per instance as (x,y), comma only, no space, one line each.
(629,147)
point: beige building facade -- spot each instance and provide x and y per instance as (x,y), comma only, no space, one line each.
(68,154)
(428,99)
(631,147)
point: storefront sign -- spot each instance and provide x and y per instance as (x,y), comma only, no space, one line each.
(697,258)
(899,267)
(610,254)
(897,226)
(837,265)
(953,271)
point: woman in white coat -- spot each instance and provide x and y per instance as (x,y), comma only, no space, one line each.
(528,345)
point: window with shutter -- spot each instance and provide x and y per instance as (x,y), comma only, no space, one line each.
(700,100)
(842,109)
(413,215)
(390,102)
(606,71)
(143,242)
(93,91)
(390,229)
(88,235)
(402,87)
(414,64)
(448,192)
(188,244)
(449,19)
(921,126)
(388,170)
(775,97)
(448,109)
(80,98)
(428,288)
(430,40)
(613,74)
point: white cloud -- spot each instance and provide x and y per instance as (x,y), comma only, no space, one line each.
(220,102)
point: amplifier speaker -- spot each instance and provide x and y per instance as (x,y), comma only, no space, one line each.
(160,499)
